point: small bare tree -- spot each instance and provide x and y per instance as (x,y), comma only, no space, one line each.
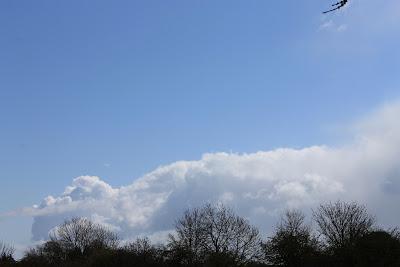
(293,243)
(140,246)
(342,224)
(6,253)
(143,249)
(81,235)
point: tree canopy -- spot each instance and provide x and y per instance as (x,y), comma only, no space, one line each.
(213,235)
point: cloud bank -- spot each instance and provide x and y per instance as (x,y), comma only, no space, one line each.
(257,185)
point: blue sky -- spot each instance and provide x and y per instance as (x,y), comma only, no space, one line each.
(118,89)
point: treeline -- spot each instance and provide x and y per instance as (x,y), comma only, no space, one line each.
(345,234)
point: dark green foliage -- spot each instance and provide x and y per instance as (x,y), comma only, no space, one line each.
(126,258)
(377,249)
(221,260)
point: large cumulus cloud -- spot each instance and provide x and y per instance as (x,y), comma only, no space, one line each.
(257,185)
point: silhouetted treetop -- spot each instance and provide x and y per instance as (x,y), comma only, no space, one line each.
(80,234)
(6,254)
(342,224)
(214,230)
(292,243)
(214,236)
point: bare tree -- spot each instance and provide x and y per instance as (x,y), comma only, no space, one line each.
(394,232)
(145,252)
(293,243)
(81,235)
(342,224)
(230,234)
(189,238)
(49,253)
(6,253)
(6,250)
(215,230)
(140,246)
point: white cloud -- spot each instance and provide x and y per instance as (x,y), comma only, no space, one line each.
(330,25)
(341,28)
(257,185)
(326,25)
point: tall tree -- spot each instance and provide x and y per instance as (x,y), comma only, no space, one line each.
(79,236)
(214,230)
(6,254)
(189,243)
(293,243)
(341,225)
